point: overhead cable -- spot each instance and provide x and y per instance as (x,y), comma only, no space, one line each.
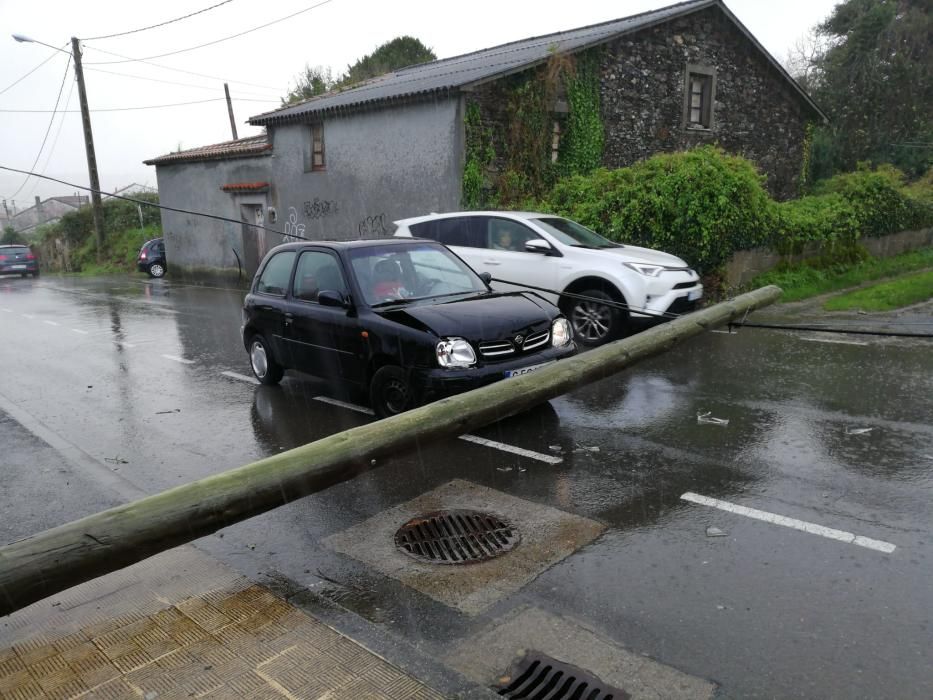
(22,78)
(217,41)
(167,82)
(47,130)
(182,70)
(58,132)
(154,26)
(130,109)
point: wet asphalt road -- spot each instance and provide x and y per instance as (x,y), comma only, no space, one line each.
(126,374)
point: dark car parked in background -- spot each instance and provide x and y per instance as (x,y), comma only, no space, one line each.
(407,321)
(18,260)
(152,258)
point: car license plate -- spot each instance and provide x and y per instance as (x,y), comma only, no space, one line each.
(694,295)
(19,267)
(525,370)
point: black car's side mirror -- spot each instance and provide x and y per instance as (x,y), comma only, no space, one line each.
(331,297)
(536,245)
(486,277)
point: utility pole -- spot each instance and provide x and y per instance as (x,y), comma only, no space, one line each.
(230,111)
(96,206)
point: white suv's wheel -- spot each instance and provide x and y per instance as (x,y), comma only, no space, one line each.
(595,323)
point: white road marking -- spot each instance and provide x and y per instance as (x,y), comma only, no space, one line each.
(51,323)
(241,377)
(469,438)
(834,342)
(78,330)
(549,459)
(775,519)
(724,332)
(9,311)
(175,358)
(123,345)
(344,404)
(29,316)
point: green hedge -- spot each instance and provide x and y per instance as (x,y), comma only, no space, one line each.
(704,205)
(701,205)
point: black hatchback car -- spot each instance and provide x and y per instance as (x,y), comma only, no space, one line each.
(151,258)
(18,260)
(405,320)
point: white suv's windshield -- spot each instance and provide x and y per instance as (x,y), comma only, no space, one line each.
(390,274)
(573,234)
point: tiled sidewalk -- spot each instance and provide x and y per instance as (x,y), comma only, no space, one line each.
(181,625)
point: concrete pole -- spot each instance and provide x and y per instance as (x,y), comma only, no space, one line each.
(98,210)
(230,111)
(51,561)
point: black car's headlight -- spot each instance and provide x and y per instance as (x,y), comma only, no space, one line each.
(455,352)
(561,333)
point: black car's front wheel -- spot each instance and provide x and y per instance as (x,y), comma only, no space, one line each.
(390,392)
(595,322)
(266,369)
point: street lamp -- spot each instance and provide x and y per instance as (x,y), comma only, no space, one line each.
(96,206)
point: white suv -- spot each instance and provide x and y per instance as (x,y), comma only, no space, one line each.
(558,257)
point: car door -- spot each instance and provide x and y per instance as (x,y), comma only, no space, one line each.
(503,255)
(324,340)
(269,303)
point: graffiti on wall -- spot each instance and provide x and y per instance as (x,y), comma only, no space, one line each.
(372,226)
(320,208)
(292,228)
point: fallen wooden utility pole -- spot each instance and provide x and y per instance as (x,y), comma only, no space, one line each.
(52,561)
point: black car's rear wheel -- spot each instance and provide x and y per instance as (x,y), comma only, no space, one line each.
(595,323)
(157,269)
(390,392)
(266,369)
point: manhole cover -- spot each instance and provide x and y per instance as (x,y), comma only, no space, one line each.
(538,676)
(456,537)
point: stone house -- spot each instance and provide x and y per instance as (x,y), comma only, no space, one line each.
(443,135)
(46,211)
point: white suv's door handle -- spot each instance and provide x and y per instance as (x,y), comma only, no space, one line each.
(491,262)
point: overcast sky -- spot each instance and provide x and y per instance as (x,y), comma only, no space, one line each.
(260,66)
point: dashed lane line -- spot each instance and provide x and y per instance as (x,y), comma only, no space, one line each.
(78,330)
(121,344)
(834,342)
(240,377)
(175,358)
(774,519)
(52,323)
(530,454)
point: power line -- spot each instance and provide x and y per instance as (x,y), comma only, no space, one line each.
(131,109)
(19,80)
(217,41)
(61,123)
(181,70)
(161,24)
(167,82)
(48,129)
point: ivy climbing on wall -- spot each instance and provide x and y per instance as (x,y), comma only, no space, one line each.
(509,154)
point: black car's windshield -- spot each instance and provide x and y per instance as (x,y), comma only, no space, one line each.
(573,234)
(393,273)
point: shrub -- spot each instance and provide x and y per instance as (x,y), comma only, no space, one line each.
(829,219)
(879,200)
(702,205)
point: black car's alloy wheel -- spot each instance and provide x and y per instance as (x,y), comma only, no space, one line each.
(389,392)
(595,323)
(157,269)
(266,369)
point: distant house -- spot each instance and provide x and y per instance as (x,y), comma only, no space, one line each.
(42,212)
(424,138)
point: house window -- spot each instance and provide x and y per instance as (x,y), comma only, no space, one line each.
(317,147)
(700,91)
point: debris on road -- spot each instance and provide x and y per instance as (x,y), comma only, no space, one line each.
(715,532)
(115,460)
(174,410)
(858,431)
(708,419)
(555,448)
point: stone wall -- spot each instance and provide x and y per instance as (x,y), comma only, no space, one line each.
(755,113)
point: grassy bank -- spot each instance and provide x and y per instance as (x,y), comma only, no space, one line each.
(887,296)
(803,281)
(120,251)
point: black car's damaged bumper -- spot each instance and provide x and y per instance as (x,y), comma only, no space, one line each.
(434,384)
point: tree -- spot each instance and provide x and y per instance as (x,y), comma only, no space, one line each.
(874,78)
(400,52)
(311,82)
(10,236)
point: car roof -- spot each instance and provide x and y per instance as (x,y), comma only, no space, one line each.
(351,245)
(14,245)
(451,214)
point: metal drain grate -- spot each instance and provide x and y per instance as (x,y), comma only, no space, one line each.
(456,537)
(539,677)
